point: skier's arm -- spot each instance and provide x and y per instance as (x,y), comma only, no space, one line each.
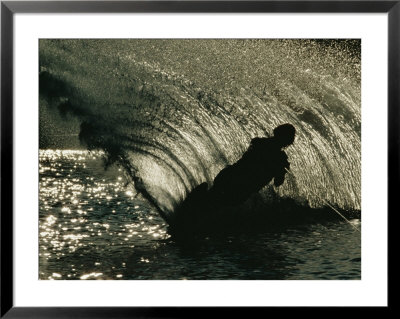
(280,176)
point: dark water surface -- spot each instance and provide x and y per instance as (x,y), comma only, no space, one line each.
(91,226)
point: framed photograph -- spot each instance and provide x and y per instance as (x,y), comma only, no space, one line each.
(158,156)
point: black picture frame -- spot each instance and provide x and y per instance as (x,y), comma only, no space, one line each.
(9,8)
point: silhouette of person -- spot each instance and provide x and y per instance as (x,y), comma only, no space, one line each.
(263,161)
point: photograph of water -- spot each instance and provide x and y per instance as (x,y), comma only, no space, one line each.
(199,159)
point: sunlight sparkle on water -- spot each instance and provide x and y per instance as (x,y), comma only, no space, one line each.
(91,275)
(80,212)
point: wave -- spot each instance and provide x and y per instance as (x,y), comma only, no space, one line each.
(173,113)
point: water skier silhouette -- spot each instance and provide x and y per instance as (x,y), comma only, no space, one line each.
(263,161)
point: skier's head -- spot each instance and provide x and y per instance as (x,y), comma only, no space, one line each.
(284,134)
